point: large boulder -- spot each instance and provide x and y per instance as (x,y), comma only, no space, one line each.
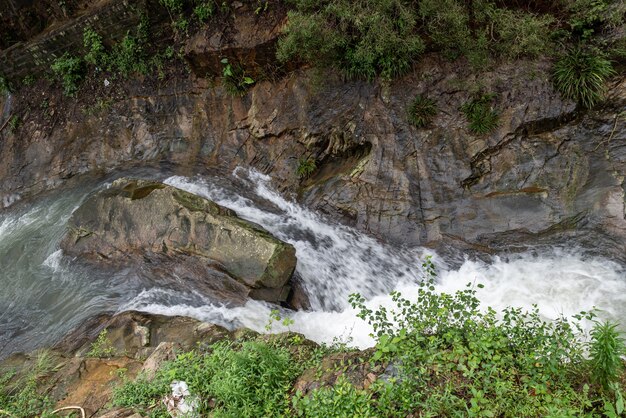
(141,221)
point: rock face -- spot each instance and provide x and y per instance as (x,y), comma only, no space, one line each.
(550,172)
(170,229)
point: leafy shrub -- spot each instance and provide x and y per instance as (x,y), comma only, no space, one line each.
(173,6)
(451,356)
(340,400)
(421,111)
(480,114)
(306,167)
(96,53)
(101,347)
(362,39)
(127,57)
(204,11)
(588,17)
(71,71)
(606,348)
(14,123)
(580,74)
(236,80)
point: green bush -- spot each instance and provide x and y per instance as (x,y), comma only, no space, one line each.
(5,87)
(581,74)
(204,11)
(421,111)
(235,79)
(363,39)
(128,57)
(96,53)
(342,400)
(101,347)
(306,167)
(480,114)
(71,71)
(451,356)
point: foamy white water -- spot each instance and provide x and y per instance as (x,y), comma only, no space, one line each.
(335,260)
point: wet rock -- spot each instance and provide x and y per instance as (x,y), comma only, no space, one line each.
(138,334)
(165,228)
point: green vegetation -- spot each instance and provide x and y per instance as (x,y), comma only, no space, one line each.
(14,123)
(251,379)
(605,349)
(20,396)
(366,39)
(71,71)
(102,348)
(204,11)
(340,400)
(421,111)
(5,87)
(580,74)
(306,167)
(480,114)
(236,80)
(96,54)
(362,39)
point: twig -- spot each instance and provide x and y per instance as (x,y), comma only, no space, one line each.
(82,411)
(608,140)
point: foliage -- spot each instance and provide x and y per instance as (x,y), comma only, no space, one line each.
(451,356)
(173,6)
(421,111)
(236,80)
(71,71)
(29,80)
(306,167)
(480,114)
(581,73)
(14,123)
(341,400)
(250,380)
(20,397)
(96,53)
(5,87)
(588,17)
(363,39)
(101,347)
(606,348)
(127,56)
(204,11)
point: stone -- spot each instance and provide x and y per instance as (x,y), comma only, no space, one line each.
(141,220)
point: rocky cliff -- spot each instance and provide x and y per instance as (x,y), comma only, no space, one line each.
(550,172)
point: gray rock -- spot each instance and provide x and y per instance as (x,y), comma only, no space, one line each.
(139,220)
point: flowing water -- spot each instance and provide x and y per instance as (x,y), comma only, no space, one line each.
(44,293)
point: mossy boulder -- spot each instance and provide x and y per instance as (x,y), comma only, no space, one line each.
(137,220)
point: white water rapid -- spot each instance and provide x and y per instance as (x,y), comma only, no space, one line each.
(335,261)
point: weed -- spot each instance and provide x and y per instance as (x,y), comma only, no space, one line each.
(29,80)
(101,347)
(96,53)
(480,114)
(606,348)
(127,56)
(421,111)
(5,86)
(275,317)
(306,167)
(236,80)
(71,71)
(580,74)
(340,400)
(14,123)
(204,11)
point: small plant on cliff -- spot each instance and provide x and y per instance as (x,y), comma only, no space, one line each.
(4,85)
(101,347)
(581,74)
(96,53)
(204,11)
(71,71)
(14,123)
(480,114)
(306,167)
(421,111)
(236,80)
